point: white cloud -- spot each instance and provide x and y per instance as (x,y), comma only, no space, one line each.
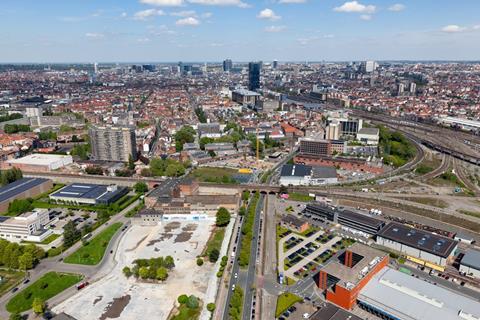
(477,27)
(366,17)
(190,21)
(163,3)
(236,3)
(292,1)
(94,35)
(147,14)
(123,15)
(453,28)
(143,40)
(397,7)
(183,14)
(329,36)
(274,28)
(356,7)
(268,14)
(207,15)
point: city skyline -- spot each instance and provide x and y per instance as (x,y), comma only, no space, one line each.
(177,30)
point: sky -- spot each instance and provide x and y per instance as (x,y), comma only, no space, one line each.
(242,30)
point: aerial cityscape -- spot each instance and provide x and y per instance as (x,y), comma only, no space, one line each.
(240,160)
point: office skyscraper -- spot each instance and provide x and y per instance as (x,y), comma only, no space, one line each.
(275,64)
(113,143)
(227,65)
(254,75)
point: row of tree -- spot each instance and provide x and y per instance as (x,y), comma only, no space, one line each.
(16,256)
(10,175)
(15,128)
(154,268)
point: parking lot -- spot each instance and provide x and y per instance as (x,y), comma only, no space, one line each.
(115,296)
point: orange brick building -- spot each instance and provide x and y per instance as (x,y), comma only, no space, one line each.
(347,273)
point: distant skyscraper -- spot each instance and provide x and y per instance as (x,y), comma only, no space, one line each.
(95,68)
(370,66)
(401,88)
(275,64)
(413,87)
(112,143)
(227,65)
(254,75)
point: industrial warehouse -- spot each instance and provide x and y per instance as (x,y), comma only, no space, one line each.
(424,248)
(89,193)
(394,295)
(22,189)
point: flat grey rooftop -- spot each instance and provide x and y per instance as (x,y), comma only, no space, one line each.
(410,298)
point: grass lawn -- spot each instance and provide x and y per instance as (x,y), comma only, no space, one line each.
(216,175)
(285,301)
(93,252)
(215,240)
(49,285)
(9,279)
(295,196)
(184,313)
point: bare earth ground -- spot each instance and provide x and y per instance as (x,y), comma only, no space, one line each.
(116,297)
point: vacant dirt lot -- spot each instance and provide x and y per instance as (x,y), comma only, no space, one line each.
(116,297)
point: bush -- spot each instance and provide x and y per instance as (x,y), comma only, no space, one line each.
(199,262)
(223,217)
(213,255)
(127,272)
(192,302)
(211,307)
(182,299)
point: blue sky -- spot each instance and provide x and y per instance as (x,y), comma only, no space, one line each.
(243,30)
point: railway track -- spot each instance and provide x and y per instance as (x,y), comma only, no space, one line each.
(444,166)
(463,176)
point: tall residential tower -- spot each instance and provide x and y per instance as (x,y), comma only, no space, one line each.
(113,143)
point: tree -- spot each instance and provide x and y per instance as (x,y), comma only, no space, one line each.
(38,306)
(162,274)
(182,299)
(26,261)
(213,255)
(211,307)
(19,206)
(70,234)
(131,163)
(127,272)
(16,316)
(143,272)
(174,170)
(184,135)
(199,262)
(140,187)
(242,211)
(192,302)
(169,262)
(283,189)
(95,170)
(223,217)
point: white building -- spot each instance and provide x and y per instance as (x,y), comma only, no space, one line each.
(27,227)
(370,136)
(40,162)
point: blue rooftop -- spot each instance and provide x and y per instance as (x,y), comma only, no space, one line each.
(19,186)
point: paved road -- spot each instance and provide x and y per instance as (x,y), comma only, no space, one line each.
(90,273)
(251,272)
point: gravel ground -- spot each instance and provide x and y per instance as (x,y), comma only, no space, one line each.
(115,296)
